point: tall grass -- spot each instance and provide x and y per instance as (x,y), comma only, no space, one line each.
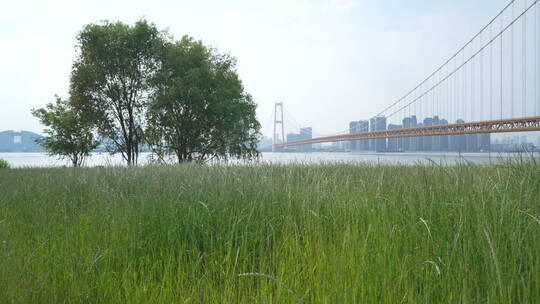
(331,233)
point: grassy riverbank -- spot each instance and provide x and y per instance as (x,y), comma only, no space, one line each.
(281,234)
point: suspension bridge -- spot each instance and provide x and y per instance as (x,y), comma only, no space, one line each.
(490,85)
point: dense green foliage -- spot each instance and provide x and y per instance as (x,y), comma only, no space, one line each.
(4,164)
(69,131)
(201,110)
(111,77)
(141,87)
(271,234)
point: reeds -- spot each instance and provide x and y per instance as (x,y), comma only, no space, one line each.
(332,233)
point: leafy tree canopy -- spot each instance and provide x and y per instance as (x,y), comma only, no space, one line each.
(200,109)
(111,77)
(69,131)
(139,86)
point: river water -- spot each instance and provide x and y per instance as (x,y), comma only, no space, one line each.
(20,160)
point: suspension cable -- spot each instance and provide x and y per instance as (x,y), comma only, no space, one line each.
(452,57)
(510,25)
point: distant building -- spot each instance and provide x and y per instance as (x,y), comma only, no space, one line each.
(378,124)
(353,128)
(406,140)
(472,143)
(292,137)
(444,140)
(458,143)
(339,146)
(363,126)
(305,133)
(372,128)
(415,141)
(485,142)
(395,144)
(419,141)
(264,144)
(360,126)
(23,141)
(436,143)
(428,140)
(411,143)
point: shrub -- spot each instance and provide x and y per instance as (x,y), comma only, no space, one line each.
(4,164)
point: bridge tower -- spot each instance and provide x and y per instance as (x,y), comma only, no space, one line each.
(278,120)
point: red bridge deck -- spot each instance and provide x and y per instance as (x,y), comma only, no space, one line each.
(490,126)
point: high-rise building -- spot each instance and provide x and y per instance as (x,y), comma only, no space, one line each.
(360,126)
(458,143)
(436,143)
(419,140)
(306,133)
(353,128)
(428,140)
(292,137)
(485,142)
(414,142)
(472,143)
(406,140)
(395,144)
(372,128)
(378,124)
(363,126)
(461,142)
(443,141)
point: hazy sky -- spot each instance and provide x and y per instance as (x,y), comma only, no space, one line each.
(328,61)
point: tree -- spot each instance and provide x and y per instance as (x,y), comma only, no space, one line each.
(4,164)
(110,79)
(200,110)
(70,132)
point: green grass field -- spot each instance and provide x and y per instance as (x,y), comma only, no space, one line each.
(332,233)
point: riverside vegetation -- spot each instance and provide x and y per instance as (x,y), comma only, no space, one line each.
(329,233)
(4,164)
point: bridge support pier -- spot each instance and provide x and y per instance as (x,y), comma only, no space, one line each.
(278,120)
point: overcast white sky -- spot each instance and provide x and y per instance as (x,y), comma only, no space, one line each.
(328,61)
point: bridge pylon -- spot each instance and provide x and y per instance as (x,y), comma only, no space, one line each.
(278,120)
